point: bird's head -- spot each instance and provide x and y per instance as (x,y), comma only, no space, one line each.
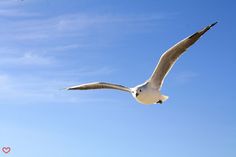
(137,91)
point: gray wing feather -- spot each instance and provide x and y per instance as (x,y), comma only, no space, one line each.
(168,59)
(99,85)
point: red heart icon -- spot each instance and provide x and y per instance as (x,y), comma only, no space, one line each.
(6,149)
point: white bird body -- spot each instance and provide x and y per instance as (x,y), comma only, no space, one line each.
(149,92)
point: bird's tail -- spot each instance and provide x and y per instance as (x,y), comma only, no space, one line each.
(164,98)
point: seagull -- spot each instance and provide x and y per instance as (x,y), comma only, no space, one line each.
(149,91)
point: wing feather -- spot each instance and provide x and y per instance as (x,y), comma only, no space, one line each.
(99,85)
(168,59)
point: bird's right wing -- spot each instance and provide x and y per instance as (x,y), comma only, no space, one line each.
(168,59)
(99,85)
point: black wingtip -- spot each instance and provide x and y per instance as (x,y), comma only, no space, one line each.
(213,24)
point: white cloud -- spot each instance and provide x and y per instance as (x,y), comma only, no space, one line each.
(30,90)
(184,77)
(65,47)
(33,59)
(77,24)
(7,3)
(26,60)
(13,3)
(16,13)
(26,90)
(94,71)
(24,36)
(3,80)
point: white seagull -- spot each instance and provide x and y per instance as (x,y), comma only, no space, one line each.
(149,91)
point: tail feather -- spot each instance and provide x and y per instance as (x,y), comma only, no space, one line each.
(164,98)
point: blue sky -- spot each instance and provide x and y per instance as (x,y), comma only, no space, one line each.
(48,45)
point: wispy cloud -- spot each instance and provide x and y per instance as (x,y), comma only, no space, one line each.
(77,24)
(34,89)
(28,59)
(3,80)
(185,76)
(14,3)
(31,39)
(94,71)
(8,3)
(65,47)
(27,89)
(16,13)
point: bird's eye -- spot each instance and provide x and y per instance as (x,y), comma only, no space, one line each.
(140,90)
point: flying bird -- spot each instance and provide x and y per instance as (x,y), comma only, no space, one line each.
(149,91)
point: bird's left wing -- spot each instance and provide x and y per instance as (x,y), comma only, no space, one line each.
(168,59)
(99,85)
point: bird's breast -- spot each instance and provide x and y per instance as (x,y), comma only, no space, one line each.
(148,97)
